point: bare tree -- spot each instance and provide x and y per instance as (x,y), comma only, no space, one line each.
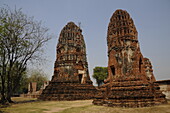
(22,40)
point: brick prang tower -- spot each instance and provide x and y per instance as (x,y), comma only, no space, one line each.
(71,79)
(130,81)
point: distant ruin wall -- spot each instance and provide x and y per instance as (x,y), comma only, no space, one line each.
(32,90)
(165,87)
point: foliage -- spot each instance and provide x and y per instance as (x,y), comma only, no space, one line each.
(18,80)
(39,77)
(100,74)
(21,41)
(23,85)
(33,75)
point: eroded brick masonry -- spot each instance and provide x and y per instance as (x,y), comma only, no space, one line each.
(130,81)
(71,79)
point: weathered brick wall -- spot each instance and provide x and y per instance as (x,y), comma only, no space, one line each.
(71,80)
(165,87)
(130,81)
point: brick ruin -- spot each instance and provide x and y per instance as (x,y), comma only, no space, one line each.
(32,90)
(130,81)
(165,87)
(32,87)
(71,79)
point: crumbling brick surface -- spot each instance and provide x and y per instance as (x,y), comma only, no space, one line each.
(71,79)
(130,81)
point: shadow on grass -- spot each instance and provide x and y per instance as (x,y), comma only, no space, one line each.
(25,101)
(2,111)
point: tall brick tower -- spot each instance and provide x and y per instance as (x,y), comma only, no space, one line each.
(130,81)
(71,79)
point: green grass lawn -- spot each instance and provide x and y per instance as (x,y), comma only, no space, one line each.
(80,106)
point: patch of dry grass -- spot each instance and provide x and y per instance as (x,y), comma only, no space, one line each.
(80,106)
(22,99)
(101,109)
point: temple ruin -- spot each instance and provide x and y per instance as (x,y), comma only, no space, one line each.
(165,87)
(130,81)
(71,79)
(32,90)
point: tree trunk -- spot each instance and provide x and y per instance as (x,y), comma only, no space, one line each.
(9,94)
(98,83)
(9,82)
(9,89)
(3,74)
(3,99)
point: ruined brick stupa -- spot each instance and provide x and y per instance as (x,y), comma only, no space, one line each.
(130,81)
(71,79)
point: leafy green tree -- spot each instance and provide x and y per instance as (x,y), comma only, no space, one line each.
(37,76)
(18,79)
(100,74)
(23,85)
(33,75)
(21,41)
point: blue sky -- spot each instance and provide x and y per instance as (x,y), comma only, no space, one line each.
(151,17)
